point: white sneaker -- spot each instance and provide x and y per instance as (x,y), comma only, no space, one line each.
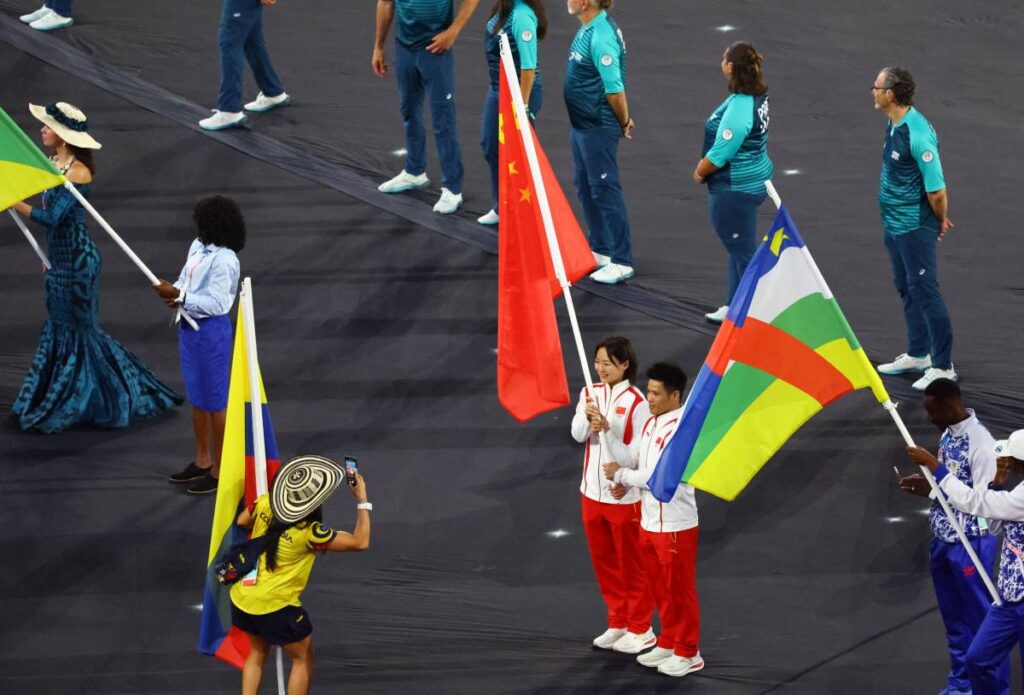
(448,202)
(33,16)
(490,219)
(905,363)
(718,315)
(933,373)
(680,665)
(601,259)
(222,119)
(264,103)
(632,643)
(609,637)
(655,658)
(612,274)
(404,182)
(51,21)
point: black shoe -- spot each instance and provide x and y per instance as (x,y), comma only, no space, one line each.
(191,472)
(203,486)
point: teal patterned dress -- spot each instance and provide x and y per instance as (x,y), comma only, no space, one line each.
(80,375)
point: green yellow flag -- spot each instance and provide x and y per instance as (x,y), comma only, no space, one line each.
(24,170)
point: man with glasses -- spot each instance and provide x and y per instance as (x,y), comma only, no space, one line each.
(912,197)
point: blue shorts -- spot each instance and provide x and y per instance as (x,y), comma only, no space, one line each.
(284,626)
(206,362)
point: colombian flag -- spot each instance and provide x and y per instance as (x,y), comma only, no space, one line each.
(784,352)
(235,490)
(24,170)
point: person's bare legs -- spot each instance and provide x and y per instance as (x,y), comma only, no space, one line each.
(252,672)
(201,425)
(301,654)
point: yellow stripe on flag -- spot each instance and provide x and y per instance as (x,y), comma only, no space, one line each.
(754,438)
(855,366)
(18,182)
(231,485)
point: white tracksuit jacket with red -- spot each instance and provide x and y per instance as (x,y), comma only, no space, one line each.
(681,513)
(626,411)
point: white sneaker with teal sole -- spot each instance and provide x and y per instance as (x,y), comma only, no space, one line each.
(264,103)
(718,315)
(490,219)
(905,363)
(933,373)
(221,120)
(33,16)
(404,182)
(51,21)
(448,202)
(612,274)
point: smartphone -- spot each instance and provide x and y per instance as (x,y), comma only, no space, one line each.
(351,467)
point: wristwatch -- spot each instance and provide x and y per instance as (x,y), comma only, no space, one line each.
(368,506)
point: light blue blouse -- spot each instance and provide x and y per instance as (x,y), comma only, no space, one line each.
(209,280)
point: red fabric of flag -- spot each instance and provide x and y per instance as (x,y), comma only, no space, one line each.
(531,372)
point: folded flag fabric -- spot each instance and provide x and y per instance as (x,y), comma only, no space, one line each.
(784,352)
(531,371)
(236,489)
(24,170)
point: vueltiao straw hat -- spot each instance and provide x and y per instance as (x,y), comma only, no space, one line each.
(302,485)
(68,122)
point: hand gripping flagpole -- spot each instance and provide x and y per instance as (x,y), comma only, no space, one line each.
(31,239)
(124,247)
(939,495)
(259,445)
(526,130)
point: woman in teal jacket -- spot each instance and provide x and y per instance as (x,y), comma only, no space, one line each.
(734,161)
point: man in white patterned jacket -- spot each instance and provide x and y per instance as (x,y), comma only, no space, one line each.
(1004,624)
(965,449)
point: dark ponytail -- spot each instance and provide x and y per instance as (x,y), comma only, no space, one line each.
(277,529)
(746,69)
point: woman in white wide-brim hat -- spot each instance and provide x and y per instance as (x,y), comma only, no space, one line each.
(80,375)
(265,604)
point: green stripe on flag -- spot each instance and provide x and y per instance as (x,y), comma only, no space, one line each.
(16,147)
(741,385)
(815,321)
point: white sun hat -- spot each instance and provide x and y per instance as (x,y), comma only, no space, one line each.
(68,122)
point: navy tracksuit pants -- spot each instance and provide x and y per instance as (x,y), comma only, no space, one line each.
(241,39)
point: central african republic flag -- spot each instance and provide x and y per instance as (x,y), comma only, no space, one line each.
(784,352)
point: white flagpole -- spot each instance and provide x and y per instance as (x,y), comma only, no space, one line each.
(939,495)
(526,131)
(31,239)
(259,447)
(153,280)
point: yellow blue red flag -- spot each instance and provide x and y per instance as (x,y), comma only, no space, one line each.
(235,489)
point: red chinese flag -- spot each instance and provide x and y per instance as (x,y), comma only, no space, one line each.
(531,374)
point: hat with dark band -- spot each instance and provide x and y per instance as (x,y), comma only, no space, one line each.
(302,485)
(68,122)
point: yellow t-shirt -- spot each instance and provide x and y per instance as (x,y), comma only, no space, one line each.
(295,555)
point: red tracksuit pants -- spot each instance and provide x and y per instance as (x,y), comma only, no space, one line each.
(613,534)
(670,561)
